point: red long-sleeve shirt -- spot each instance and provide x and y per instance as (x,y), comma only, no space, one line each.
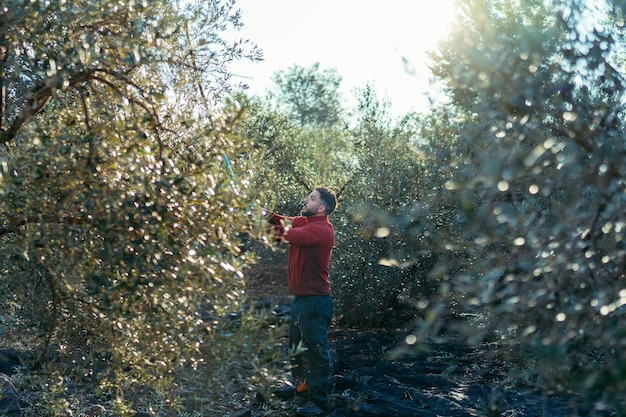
(311,241)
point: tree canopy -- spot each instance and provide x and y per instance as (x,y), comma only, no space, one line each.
(310,95)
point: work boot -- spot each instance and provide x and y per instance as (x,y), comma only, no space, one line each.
(309,409)
(300,399)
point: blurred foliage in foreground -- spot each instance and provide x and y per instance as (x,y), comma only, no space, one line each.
(119,223)
(537,172)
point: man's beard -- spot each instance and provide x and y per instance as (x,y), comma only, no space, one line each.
(307,213)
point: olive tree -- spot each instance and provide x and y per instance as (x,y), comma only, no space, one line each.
(375,271)
(119,222)
(310,95)
(301,137)
(537,175)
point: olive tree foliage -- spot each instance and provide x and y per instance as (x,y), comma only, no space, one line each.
(119,221)
(537,176)
(309,95)
(301,138)
(374,269)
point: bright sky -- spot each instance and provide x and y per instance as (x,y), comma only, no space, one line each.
(364,40)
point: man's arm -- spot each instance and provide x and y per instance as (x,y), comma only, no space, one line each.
(311,234)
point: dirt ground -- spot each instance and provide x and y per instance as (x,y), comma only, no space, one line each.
(440,379)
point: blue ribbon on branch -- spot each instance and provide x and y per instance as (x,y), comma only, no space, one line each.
(230,169)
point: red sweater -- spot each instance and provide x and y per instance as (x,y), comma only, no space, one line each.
(311,241)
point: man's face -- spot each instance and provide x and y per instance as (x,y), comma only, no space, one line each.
(313,205)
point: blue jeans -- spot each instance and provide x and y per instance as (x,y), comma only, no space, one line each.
(310,317)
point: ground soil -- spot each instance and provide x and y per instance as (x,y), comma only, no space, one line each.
(446,379)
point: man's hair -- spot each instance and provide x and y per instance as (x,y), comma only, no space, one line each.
(328,199)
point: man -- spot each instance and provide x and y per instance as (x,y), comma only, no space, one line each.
(311,238)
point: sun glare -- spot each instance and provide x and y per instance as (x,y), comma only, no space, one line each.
(431,19)
(379,43)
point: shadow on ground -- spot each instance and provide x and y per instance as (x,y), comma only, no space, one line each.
(439,379)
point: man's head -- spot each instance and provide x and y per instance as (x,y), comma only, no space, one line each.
(321,202)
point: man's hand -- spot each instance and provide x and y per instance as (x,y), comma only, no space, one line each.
(279,226)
